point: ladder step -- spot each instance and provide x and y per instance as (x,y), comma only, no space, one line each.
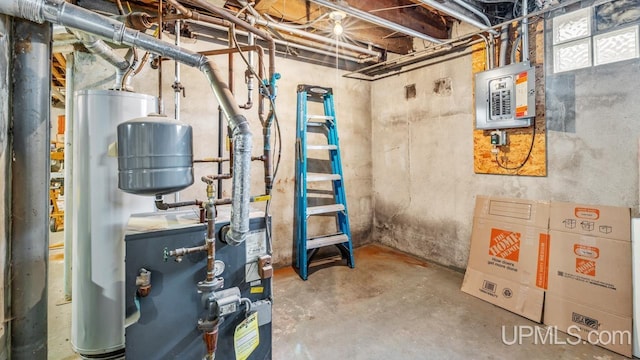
(324,209)
(323,177)
(322,147)
(320,117)
(326,241)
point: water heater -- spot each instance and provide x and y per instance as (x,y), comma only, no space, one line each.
(505,97)
(101,212)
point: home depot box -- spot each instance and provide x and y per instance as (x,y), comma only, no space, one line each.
(509,247)
(606,221)
(589,285)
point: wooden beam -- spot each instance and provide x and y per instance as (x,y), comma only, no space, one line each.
(57,75)
(263,6)
(61,60)
(416,18)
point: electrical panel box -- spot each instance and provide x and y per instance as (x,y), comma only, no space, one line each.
(505,97)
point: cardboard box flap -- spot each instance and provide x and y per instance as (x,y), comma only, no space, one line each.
(595,220)
(520,299)
(514,211)
(589,324)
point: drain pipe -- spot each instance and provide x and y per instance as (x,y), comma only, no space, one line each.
(30,111)
(64,13)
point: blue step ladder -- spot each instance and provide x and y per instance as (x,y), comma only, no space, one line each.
(336,203)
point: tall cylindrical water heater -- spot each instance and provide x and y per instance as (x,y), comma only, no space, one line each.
(100,215)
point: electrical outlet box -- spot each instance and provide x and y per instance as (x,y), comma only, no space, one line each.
(505,97)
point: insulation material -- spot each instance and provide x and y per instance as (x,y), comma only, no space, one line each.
(484,162)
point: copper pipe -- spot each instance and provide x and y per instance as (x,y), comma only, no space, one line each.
(227,201)
(221,160)
(211,340)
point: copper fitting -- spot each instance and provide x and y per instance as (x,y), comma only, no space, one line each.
(211,341)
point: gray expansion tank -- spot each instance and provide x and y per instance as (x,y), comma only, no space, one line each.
(155,156)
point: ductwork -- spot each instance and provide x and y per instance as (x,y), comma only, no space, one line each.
(363,15)
(66,14)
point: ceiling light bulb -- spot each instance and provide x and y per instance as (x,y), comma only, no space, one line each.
(338,29)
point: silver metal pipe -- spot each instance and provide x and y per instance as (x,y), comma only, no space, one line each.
(177,79)
(5,171)
(316,37)
(474,10)
(363,15)
(64,13)
(177,90)
(456,14)
(525,31)
(504,41)
(30,108)
(68,175)
(99,48)
(285,43)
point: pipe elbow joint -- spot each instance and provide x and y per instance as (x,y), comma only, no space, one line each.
(235,238)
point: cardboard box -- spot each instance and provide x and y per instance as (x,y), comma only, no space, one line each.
(595,220)
(509,253)
(589,324)
(592,271)
(589,280)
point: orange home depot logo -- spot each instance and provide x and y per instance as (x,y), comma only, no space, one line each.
(505,244)
(586,251)
(586,213)
(586,267)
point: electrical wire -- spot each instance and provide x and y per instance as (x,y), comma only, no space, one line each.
(533,141)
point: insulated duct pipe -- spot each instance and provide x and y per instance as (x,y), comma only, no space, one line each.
(363,15)
(101,49)
(453,13)
(64,13)
(30,110)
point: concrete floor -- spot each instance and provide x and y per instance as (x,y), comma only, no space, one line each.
(391,306)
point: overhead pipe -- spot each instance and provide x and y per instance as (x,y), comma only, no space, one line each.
(453,13)
(64,13)
(241,24)
(474,10)
(312,36)
(319,51)
(363,15)
(30,110)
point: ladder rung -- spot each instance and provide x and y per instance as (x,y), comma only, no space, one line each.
(320,117)
(324,209)
(322,177)
(326,241)
(322,147)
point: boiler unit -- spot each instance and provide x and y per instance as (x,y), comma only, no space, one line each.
(167,311)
